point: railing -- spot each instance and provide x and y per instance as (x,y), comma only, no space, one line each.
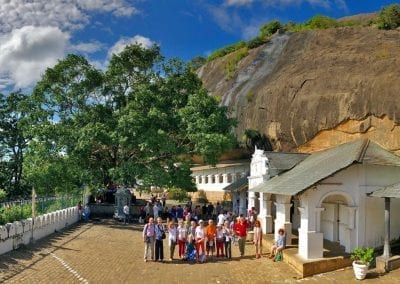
(16,210)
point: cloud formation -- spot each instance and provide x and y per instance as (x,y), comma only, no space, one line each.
(34,34)
(25,54)
(137,39)
(341,4)
(65,14)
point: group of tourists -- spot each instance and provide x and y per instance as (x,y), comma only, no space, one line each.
(197,241)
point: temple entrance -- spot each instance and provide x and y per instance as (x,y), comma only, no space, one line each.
(336,222)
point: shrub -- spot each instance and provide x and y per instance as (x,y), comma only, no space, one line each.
(230,66)
(3,195)
(256,42)
(177,194)
(226,50)
(269,29)
(202,197)
(321,22)
(389,17)
(363,255)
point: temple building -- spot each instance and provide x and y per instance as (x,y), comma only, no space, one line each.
(326,195)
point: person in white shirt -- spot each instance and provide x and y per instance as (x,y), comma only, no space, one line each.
(126,213)
(221,218)
(173,234)
(200,236)
(182,235)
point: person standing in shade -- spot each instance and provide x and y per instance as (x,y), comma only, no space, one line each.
(148,238)
(257,238)
(172,238)
(126,214)
(160,236)
(240,230)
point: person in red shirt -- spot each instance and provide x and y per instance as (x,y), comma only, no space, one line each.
(240,229)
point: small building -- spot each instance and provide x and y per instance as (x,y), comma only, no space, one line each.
(212,181)
(325,196)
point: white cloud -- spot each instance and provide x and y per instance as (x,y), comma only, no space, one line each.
(137,39)
(87,47)
(65,14)
(26,53)
(238,2)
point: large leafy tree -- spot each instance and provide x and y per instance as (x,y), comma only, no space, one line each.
(142,118)
(13,141)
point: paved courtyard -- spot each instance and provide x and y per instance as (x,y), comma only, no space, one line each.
(109,252)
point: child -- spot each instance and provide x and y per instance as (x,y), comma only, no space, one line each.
(257,238)
(228,239)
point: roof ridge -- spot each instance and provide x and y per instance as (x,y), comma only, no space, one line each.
(363,150)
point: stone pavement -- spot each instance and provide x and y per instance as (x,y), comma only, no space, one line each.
(109,252)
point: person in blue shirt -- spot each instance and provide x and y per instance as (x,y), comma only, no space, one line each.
(160,236)
(279,244)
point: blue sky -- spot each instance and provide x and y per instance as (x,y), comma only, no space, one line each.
(34,34)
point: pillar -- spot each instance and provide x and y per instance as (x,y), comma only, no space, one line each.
(283,219)
(242,203)
(224,178)
(217,178)
(386,246)
(210,178)
(310,241)
(197,179)
(265,216)
(203,179)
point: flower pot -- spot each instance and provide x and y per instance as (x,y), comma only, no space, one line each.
(360,269)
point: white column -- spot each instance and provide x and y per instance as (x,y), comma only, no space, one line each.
(197,179)
(310,241)
(265,212)
(224,178)
(202,179)
(252,200)
(210,179)
(216,177)
(242,205)
(283,220)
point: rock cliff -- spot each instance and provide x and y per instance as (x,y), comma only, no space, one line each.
(315,89)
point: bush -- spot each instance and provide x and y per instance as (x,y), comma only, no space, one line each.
(321,22)
(226,50)
(231,65)
(269,29)
(3,195)
(178,194)
(202,197)
(389,17)
(363,255)
(256,42)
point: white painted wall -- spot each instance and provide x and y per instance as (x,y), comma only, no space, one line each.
(12,235)
(344,196)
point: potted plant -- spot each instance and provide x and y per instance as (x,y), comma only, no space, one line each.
(362,257)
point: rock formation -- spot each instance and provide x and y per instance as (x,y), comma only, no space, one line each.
(311,90)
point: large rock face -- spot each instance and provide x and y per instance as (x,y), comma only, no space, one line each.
(311,90)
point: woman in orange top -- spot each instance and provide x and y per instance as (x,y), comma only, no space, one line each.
(211,231)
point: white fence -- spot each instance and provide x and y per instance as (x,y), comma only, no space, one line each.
(12,235)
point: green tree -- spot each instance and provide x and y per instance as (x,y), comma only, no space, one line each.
(389,17)
(141,119)
(13,141)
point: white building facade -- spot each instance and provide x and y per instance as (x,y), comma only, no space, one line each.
(325,196)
